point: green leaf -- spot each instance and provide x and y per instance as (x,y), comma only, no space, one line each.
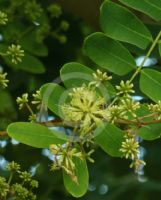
(121,24)
(53,96)
(149,7)
(150,131)
(109,138)
(81,171)
(150,84)
(29,64)
(29,43)
(109,54)
(34,135)
(160,47)
(74,74)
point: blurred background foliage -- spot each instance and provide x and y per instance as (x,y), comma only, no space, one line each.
(51,36)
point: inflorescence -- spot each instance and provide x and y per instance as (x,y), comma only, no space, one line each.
(85,110)
(3,80)
(22,190)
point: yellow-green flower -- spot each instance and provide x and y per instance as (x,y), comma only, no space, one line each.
(115,112)
(156,109)
(13,167)
(85,108)
(3,18)
(37,99)
(129,148)
(125,88)
(16,53)
(100,77)
(21,101)
(3,80)
(4,188)
(129,105)
(64,158)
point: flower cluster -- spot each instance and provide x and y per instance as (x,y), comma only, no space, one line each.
(24,102)
(114,113)
(4,188)
(156,109)
(16,53)
(3,80)
(124,104)
(23,189)
(129,105)
(86,108)
(22,193)
(99,77)
(130,150)
(64,158)
(32,10)
(21,101)
(55,10)
(13,167)
(3,18)
(37,99)
(125,88)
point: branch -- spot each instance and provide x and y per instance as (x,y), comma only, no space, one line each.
(3,133)
(59,122)
(137,122)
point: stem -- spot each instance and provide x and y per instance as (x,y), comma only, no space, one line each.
(136,122)
(3,133)
(119,121)
(147,55)
(29,108)
(10,178)
(112,103)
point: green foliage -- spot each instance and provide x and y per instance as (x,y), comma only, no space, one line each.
(51,95)
(37,135)
(31,45)
(160,47)
(17,190)
(30,37)
(75,74)
(109,138)
(29,64)
(149,80)
(88,108)
(105,51)
(150,132)
(151,8)
(80,188)
(130,28)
